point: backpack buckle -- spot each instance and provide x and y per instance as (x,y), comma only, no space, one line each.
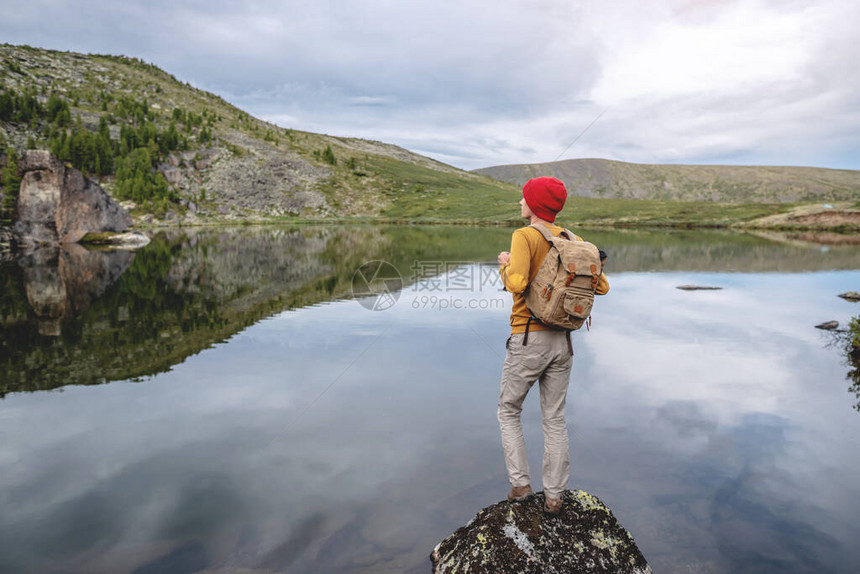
(547,291)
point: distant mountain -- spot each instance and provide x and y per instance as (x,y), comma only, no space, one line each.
(182,153)
(601,178)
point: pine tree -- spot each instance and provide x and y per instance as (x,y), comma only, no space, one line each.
(9,178)
(328,155)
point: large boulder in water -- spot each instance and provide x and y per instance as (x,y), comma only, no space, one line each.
(519,537)
(57,204)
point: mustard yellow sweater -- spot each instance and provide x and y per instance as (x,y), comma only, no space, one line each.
(528,249)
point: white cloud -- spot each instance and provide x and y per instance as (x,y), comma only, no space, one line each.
(742,47)
(481,83)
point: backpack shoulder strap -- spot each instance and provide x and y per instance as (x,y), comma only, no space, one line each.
(571,235)
(546,232)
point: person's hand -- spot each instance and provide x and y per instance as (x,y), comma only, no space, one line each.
(504,257)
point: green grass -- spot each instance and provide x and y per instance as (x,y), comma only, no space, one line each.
(416,192)
(419,194)
(646,212)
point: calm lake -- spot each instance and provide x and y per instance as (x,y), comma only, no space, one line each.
(220,401)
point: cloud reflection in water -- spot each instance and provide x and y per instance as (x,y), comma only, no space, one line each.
(335,439)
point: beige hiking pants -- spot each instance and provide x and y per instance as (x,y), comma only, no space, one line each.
(546,359)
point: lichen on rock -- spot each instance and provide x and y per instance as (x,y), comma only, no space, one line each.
(520,537)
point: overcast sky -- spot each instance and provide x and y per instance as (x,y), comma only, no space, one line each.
(488,82)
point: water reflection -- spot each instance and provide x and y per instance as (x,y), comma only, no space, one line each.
(853,377)
(329,438)
(843,340)
(62,282)
(181,294)
(743,425)
(116,316)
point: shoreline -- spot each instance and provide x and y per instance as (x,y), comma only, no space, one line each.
(843,219)
(842,229)
(805,227)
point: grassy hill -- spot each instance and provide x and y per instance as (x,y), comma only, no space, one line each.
(177,154)
(212,159)
(720,183)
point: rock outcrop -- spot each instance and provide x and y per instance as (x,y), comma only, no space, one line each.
(519,537)
(57,204)
(697,288)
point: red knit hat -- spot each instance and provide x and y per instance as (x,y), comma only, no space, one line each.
(545,196)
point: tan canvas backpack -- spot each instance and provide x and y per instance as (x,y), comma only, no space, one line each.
(562,293)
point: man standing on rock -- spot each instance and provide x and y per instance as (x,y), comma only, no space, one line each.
(545,356)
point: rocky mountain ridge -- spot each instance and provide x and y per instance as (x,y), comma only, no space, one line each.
(601,178)
(219,162)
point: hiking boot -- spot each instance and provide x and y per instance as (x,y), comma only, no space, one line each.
(552,505)
(520,492)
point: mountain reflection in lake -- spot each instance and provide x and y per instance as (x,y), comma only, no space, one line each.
(270,432)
